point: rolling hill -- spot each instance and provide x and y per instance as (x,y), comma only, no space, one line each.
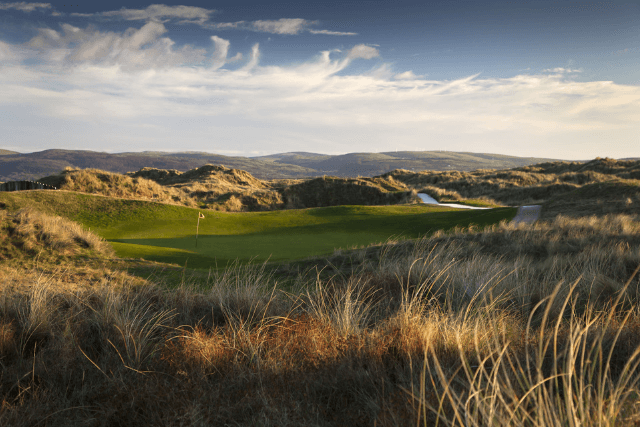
(36,165)
(372,164)
(33,166)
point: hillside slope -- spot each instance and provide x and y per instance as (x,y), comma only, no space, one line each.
(598,187)
(371,164)
(220,188)
(34,165)
(31,166)
(29,237)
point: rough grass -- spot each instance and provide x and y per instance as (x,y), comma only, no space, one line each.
(28,235)
(166,233)
(549,184)
(223,189)
(505,325)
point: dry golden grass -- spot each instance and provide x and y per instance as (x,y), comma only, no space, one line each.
(551,184)
(29,236)
(509,325)
(224,189)
(599,187)
(110,184)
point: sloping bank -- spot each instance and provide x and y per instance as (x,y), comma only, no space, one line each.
(331,191)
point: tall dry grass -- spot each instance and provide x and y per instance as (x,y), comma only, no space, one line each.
(223,189)
(508,325)
(33,229)
(536,184)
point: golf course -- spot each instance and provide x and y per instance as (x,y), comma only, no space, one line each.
(167,233)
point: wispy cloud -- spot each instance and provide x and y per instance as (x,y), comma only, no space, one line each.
(24,6)
(131,50)
(138,87)
(158,12)
(561,70)
(407,75)
(226,25)
(333,33)
(284,26)
(281,26)
(363,51)
(182,15)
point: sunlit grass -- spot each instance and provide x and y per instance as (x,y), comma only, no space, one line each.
(167,233)
(508,324)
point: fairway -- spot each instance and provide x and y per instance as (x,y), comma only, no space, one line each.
(166,233)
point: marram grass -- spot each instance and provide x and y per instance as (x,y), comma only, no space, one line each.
(531,325)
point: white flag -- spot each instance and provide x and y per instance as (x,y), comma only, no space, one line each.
(201,216)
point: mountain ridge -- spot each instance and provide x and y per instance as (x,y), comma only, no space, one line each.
(291,165)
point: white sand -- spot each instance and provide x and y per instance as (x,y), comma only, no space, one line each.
(430,200)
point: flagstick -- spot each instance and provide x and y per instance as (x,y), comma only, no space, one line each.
(197,227)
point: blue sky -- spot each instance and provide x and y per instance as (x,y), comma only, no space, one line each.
(556,79)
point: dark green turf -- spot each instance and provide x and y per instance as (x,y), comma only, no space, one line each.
(166,233)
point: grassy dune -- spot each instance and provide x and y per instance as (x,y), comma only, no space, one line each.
(220,188)
(166,233)
(495,324)
(549,184)
(505,325)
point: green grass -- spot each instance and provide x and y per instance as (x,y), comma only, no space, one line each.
(166,233)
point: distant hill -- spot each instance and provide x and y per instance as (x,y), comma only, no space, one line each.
(6,152)
(372,164)
(20,166)
(49,162)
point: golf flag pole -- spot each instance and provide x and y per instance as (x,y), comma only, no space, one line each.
(198,226)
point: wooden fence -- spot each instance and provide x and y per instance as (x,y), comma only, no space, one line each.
(25,185)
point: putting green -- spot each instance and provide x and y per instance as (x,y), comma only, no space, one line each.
(166,233)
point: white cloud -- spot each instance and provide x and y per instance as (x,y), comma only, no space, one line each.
(226,25)
(134,49)
(382,72)
(221,50)
(333,33)
(363,51)
(200,16)
(407,75)
(134,87)
(255,55)
(287,26)
(561,70)
(6,52)
(24,6)
(281,26)
(157,12)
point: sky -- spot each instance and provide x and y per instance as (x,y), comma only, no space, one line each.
(535,78)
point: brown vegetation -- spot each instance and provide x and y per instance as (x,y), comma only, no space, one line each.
(220,188)
(598,187)
(528,324)
(28,234)
(331,191)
